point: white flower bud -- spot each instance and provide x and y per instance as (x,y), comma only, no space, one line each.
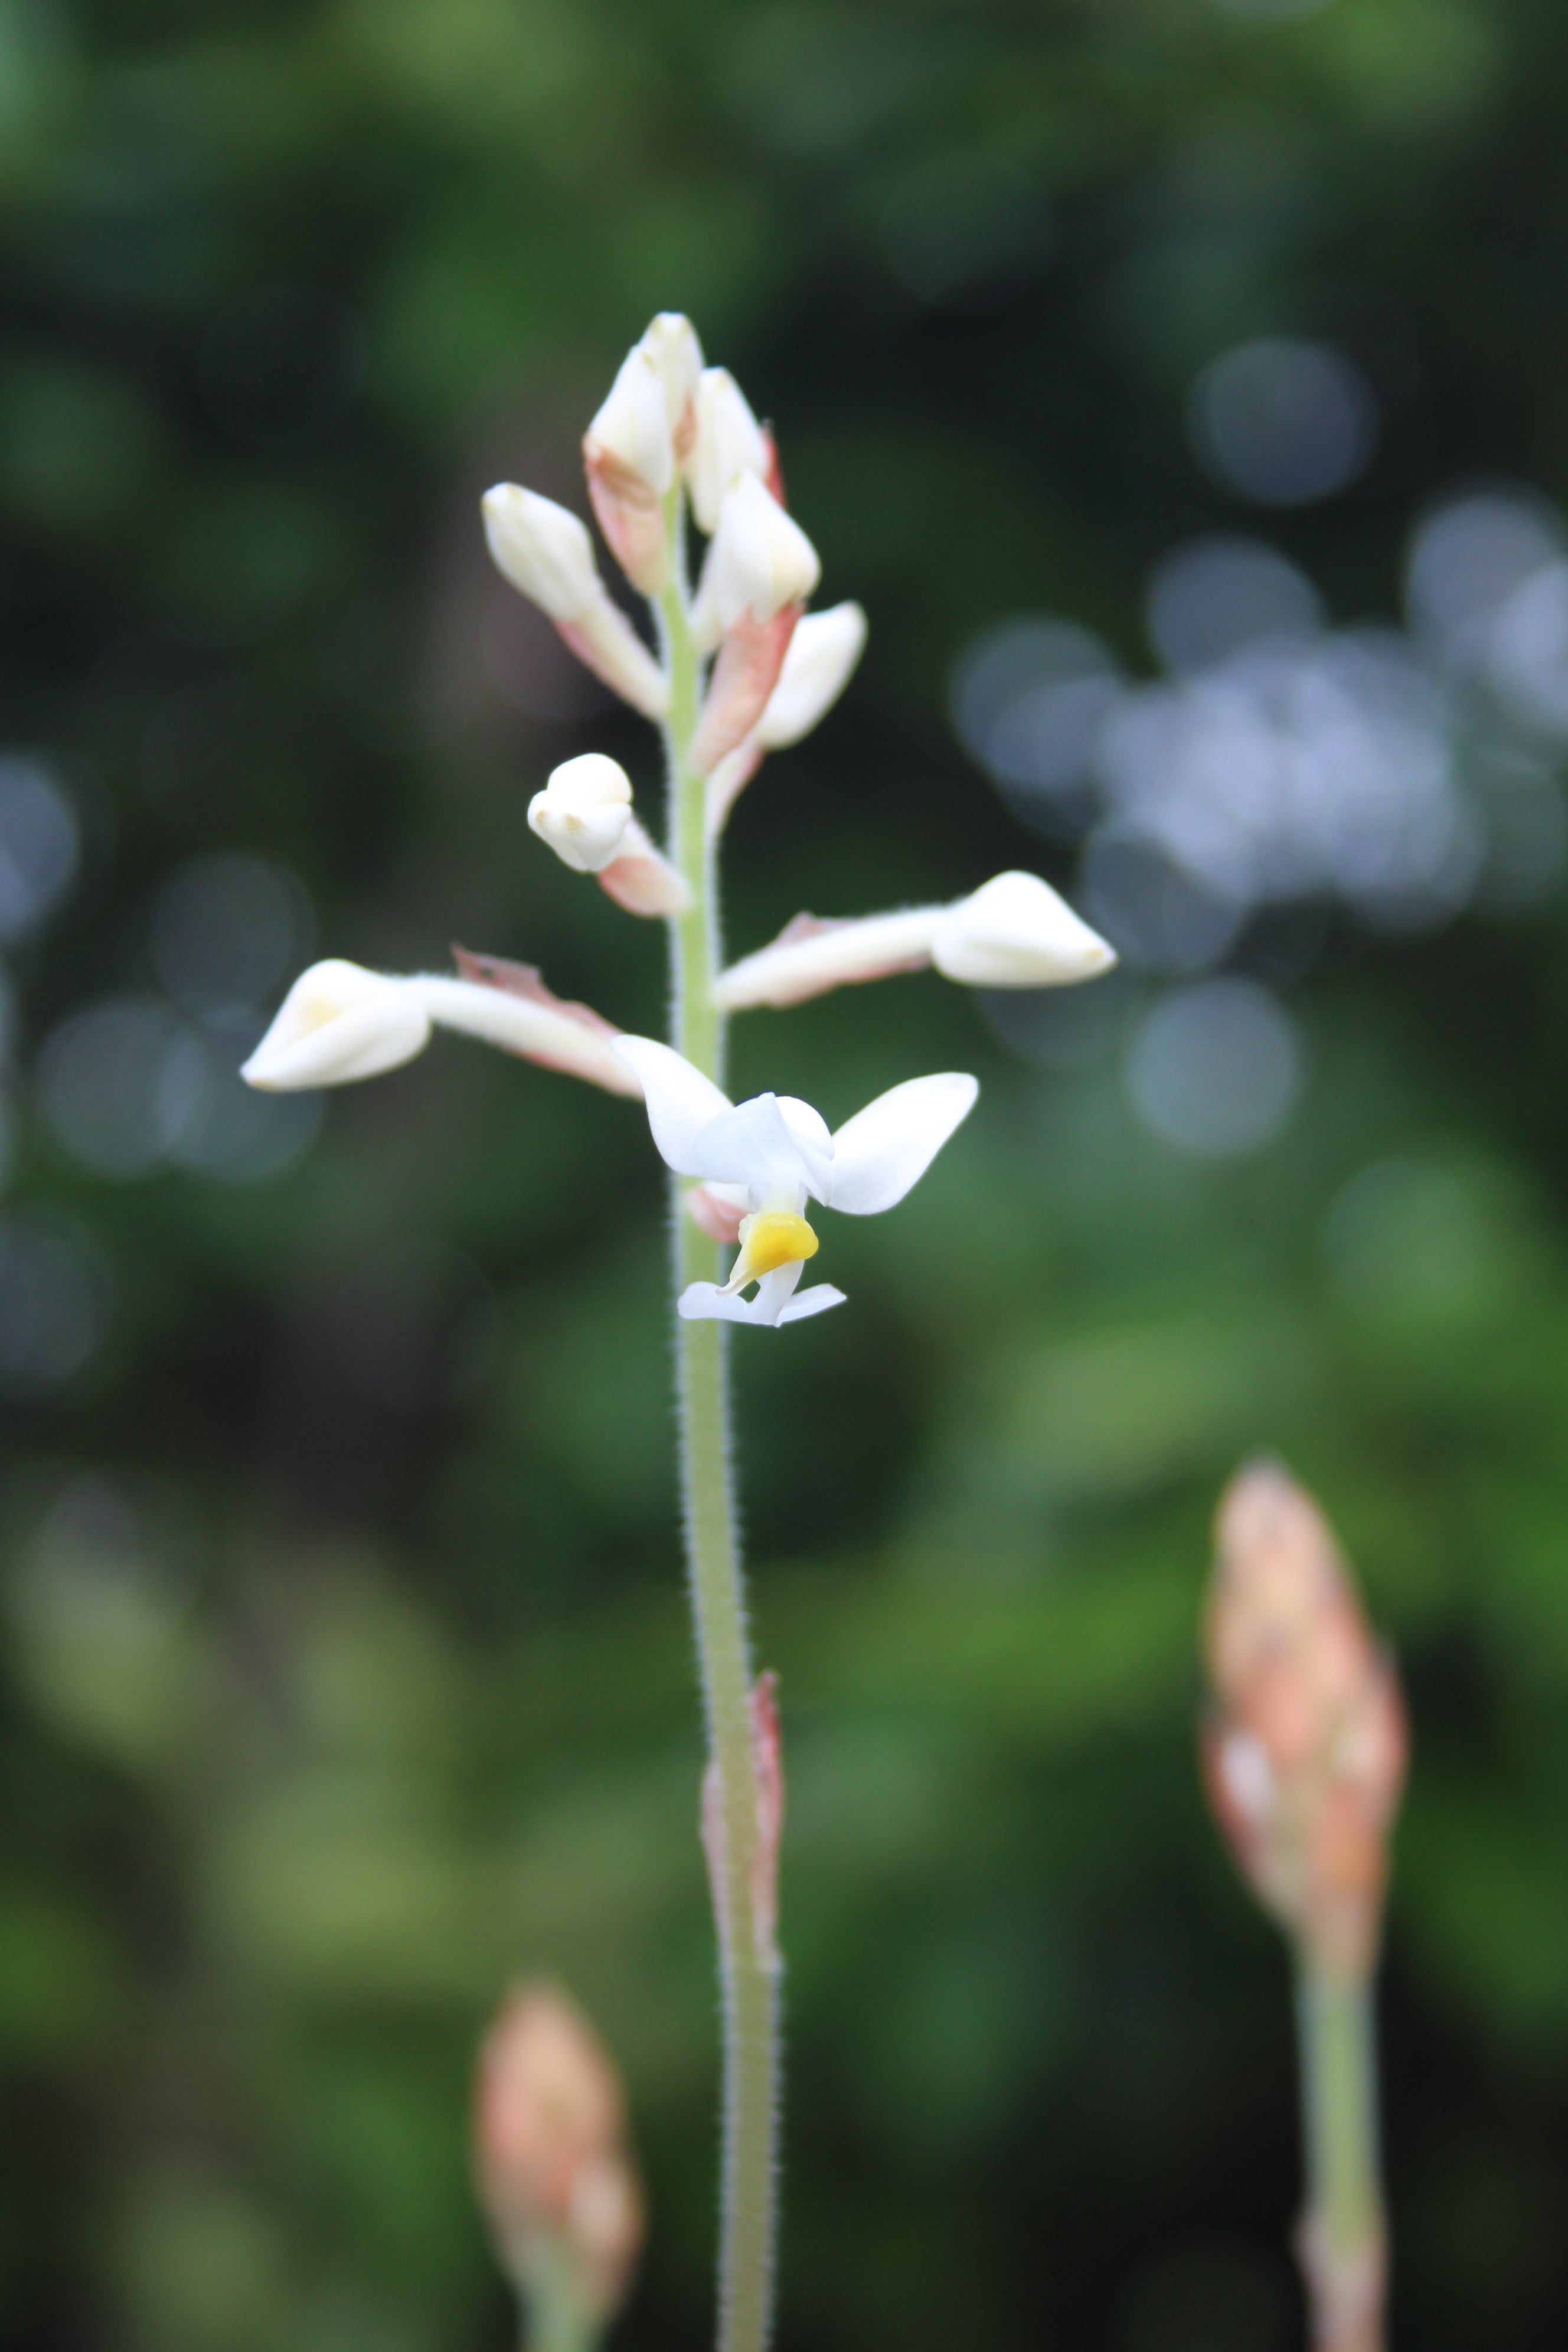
(633,428)
(817,667)
(759,560)
(582,811)
(1016,932)
(337,1023)
(672,346)
(729,441)
(543,550)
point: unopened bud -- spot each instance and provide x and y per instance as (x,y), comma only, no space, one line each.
(583,811)
(671,344)
(728,442)
(338,1024)
(629,453)
(817,667)
(1306,1750)
(1015,931)
(545,551)
(759,560)
(552,2165)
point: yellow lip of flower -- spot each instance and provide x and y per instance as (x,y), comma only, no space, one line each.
(769,1239)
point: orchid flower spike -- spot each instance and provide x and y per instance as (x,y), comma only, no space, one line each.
(774,1152)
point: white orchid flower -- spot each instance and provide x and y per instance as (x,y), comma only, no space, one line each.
(777,1151)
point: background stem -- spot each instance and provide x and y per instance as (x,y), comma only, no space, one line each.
(748,1973)
(1343,2237)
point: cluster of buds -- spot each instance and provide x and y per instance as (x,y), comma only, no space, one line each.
(1305,1750)
(744,669)
(554,2176)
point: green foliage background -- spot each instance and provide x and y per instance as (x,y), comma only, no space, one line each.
(334,1697)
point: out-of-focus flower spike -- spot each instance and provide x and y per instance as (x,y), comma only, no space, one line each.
(767,1762)
(821,657)
(340,1023)
(544,551)
(759,562)
(752,657)
(1013,932)
(551,2166)
(1305,1753)
(583,811)
(641,878)
(629,454)
(727,442)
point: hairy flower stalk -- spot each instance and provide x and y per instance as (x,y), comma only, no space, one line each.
(742,669)
(1304,1756)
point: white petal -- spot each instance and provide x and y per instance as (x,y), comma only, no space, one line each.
(887,1146)
(758,559)
(822,655)
(815,1301)
(704,1302)
(1016,932)
(338,1024)
(753,1145)
(680,1101)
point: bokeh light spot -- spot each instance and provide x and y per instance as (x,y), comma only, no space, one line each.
(1217,1069)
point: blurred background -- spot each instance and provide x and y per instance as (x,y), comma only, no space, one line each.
(1182,387)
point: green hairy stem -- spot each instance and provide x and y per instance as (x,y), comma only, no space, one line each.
(1342,2240)
(748,1972)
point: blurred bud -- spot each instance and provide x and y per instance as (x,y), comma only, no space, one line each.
(1016,932)
(672,346)
(728,441)
(583,811)
(337,1023)
(642,879)
(1305,1753)
(629,453)
(1013,932)
(758,562)
(545,551)
(817,665)
(751,659)
(552,2165)
(768,1789)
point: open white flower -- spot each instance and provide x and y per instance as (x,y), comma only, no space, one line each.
(778,1150)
